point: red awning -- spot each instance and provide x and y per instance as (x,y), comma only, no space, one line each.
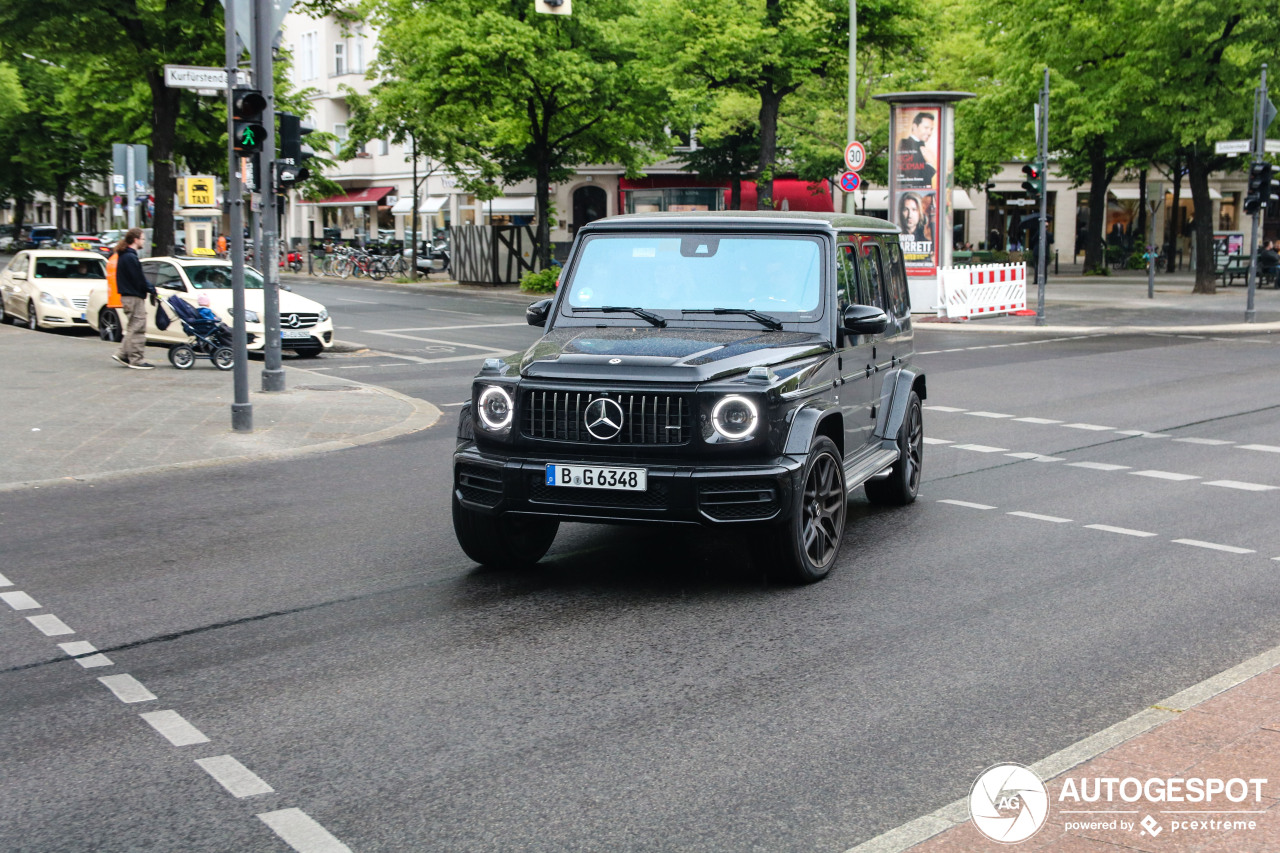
(799,195)
(365,197)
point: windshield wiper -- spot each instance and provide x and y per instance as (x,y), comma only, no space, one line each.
(639,312)
(770,322)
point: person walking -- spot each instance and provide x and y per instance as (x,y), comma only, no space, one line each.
(134,291)
(1269,265)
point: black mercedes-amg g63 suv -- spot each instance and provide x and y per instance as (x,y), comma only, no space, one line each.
(731,370)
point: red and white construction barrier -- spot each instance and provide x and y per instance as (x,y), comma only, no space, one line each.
(982,291)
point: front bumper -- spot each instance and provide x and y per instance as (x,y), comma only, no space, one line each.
(60,315)
(318,336)
(677,493)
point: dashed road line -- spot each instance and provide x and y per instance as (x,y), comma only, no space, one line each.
(980,448)
(301,832)
(50,625)
(1090,427)
(1099,466)
(239,780)
(19,600)
(943,409)
(928,440)
(1038,517)
(1037,420)
(174,728)
(1208,441)
(1143,433)
(1265,448)
(1164,475)
(989,415)
(1236,484)
(4,581)
(1125,531)
(969,504)
(1214,546)
(85,654)
(1035,457)
(127,688)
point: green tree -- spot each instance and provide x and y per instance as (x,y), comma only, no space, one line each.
(510,92)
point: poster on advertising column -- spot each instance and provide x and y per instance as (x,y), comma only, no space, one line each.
(916,158)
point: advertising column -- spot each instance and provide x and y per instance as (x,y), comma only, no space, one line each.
(922,158)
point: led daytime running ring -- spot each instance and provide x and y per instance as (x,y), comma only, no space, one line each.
(487,395)
(723,429)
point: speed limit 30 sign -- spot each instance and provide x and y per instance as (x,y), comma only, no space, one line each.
(855,156)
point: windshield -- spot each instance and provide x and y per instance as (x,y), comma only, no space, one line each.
(218,277)
(773,274)
(86,267)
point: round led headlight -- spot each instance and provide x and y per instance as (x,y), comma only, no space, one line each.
(495,408)
(734,417)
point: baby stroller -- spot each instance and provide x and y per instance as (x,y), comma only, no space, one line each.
(210,339)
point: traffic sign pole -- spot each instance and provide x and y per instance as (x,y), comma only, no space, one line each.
(241,408)
(266,251)
(1261,103)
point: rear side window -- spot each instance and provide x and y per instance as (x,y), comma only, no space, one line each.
(873,289)
(899,293)
(846,275)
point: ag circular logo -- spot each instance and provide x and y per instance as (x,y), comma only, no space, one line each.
(1008,803)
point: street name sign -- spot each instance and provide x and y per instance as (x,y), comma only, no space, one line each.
(1242,146)
(200,77)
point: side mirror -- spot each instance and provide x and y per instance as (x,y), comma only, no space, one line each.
(20,275)
(536,314)
(864,320)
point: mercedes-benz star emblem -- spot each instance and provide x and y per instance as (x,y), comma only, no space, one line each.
(293,322)
(603,418)
(615,361)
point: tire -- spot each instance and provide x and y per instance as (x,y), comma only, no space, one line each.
(805,547)
(109,326)
(3,315)
(503,542)
(182,357)
(33,319)
(224,358)
(903,483)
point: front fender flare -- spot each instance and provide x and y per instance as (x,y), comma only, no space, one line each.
(896,392)
(806,423)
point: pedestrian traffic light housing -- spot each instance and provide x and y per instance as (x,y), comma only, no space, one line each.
(1034,184)
(1260,189)
(291,165)
(247,106)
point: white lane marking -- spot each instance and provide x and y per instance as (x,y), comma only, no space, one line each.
(19,600)
(1107,528)
(396,332)
(301,832)
(964,503)
(85,654)
(1214,546)
(358,301)
(1236,484)
(127,688)
(989,415)
(174,728)
(49,625)
(1039,517)
(980,448)
(1142,433)
(1265,448)
(1037,420)
(1211,441)
(485,353)
(943,409)
(1093,427)
(1164,475)
(4,581)
(1099,466)
(239,780)
(1037,457)
(928,440)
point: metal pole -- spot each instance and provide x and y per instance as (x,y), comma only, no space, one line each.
(272,372)
(1259,145)
(128,184)
(853,86)
(1152,207)
(413,217)
(1041,272)
(241,408)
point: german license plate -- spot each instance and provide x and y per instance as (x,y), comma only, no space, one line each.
(294,333)
(596,477)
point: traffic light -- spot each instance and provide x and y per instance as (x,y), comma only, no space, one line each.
(1034,184)
(1260,190)
(291,165)
(247,107)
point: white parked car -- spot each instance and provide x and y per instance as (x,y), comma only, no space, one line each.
(304,323)
(49,288)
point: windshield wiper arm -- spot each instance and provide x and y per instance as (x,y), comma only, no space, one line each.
(771,322)
(639,312)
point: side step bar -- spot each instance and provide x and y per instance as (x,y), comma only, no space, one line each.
(867,467)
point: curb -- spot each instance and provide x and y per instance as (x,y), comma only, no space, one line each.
(1216,329)
(424,416)
(502,292)
(956,813)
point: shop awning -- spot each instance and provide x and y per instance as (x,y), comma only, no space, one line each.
(509,206)
(356,198)
(431,204)
(873,200)
(1185,196)
(1126,193)
(960,200)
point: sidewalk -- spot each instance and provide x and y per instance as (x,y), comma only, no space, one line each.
(71,413)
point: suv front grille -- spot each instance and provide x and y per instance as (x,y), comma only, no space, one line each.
(647,419)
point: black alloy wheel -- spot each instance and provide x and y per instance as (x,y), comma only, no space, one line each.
(109,326)
(903,483)
(805,547)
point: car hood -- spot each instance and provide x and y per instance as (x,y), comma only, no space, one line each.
(670,354)
(289,302)
(72,288)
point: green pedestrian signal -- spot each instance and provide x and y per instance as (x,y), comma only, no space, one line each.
(247,106)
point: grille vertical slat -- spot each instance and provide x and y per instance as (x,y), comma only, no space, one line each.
(651,419)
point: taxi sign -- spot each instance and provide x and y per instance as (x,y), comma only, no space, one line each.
(81,246)
(202,252)
(198,191)
(850,181)
(855,156)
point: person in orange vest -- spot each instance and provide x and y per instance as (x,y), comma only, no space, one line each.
(222,245)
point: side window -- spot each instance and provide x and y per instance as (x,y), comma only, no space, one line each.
(19,263)
(149,273)
(168,277)
(901,294)
(846,278)
(873,265)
